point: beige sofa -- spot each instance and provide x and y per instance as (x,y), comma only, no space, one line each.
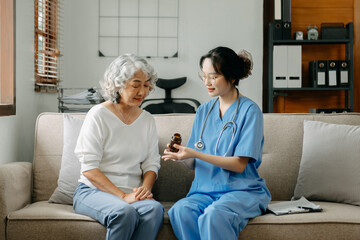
(26,187)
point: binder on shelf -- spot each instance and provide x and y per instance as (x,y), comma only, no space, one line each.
(344,73)
(332,68)
(277,20)
(317,73)
(280,67)
(287,66)
(286,19)
(294,66)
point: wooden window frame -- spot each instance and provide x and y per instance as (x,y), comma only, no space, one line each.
(47,67)
(7,55)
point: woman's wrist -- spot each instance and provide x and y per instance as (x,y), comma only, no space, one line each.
(147,187)
(121,195)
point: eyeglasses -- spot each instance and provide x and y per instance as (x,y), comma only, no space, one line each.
(211,77)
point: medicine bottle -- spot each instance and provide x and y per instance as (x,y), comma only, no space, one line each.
(175,139)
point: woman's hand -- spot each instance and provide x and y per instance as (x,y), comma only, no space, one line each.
(183,153)
(138,194)
(142,193)
(129,197)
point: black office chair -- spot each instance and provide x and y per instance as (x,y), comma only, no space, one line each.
(168,105)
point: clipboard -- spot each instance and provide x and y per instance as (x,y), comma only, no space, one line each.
(301,205)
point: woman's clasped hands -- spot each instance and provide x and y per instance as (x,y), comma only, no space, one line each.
(138,194)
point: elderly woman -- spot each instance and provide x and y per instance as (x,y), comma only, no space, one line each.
(118,151)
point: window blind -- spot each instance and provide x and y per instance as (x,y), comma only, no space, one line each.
(47,44)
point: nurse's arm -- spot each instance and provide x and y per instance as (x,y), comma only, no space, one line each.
(235,164)
(190,163)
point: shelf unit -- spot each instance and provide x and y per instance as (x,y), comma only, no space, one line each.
(349,91)
(69,101)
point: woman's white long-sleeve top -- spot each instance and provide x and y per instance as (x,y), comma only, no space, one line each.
(122,152)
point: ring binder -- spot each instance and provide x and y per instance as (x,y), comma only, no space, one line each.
(286,19)
(344,73)
(317,73)
(277,20)
(332,72)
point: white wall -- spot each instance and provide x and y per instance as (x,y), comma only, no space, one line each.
(17,132)
(204,24)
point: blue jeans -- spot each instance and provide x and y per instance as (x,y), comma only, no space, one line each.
(138,220)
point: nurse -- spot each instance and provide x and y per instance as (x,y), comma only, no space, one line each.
(225,149)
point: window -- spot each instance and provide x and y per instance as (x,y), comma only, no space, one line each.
(47,50)
(7,57)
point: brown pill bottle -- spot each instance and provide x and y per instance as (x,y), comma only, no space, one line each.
(175,139)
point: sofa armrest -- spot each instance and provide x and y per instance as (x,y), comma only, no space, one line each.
(15,189)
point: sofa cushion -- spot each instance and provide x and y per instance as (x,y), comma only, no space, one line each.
(70,165)
(336,221)
(330,163)
(283,148)
(174,178)
(42,219)
(282,153)
(47,154)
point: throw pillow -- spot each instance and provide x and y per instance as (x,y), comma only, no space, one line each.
(70,165)
(330,163)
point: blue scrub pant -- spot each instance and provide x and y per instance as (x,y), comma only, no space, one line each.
(139,220)
(203,216)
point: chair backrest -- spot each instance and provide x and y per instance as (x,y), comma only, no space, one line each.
(169,104)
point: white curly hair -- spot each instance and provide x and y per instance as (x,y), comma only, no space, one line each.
(120,71)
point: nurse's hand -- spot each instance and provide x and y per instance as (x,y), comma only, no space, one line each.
(183,153)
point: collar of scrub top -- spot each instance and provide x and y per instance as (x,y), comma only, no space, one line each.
(200,145)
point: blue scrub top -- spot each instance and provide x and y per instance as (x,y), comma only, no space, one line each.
(248,142)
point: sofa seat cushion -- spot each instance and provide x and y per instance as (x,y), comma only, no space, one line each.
(167,206)
(336,221)
(47,211)
(51,211)
(42,219)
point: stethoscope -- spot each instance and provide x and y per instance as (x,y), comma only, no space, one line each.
(200,145)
